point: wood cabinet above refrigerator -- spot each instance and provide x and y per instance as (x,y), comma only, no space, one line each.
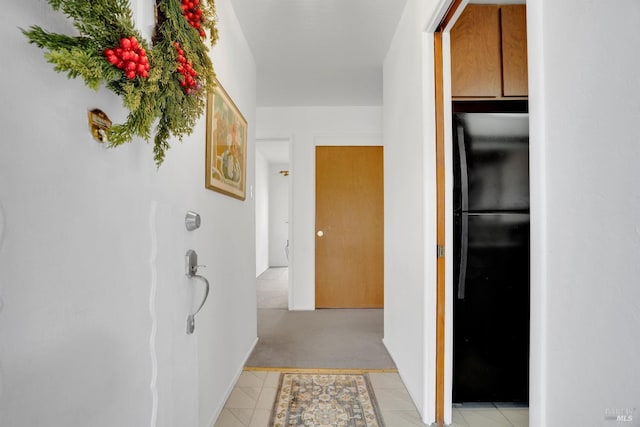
(489,52)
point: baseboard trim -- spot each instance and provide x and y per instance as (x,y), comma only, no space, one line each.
(230,388)
(411,395)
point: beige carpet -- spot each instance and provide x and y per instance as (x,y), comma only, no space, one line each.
(337,400)
(338,339)
(272,288)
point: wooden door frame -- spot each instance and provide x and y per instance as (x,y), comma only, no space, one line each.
(452,11)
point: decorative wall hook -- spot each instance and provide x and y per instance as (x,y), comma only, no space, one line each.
(99,124)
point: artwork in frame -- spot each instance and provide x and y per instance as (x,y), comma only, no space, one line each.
(226,154)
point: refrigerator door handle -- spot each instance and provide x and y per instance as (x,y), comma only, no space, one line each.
(464,249)
(464,174)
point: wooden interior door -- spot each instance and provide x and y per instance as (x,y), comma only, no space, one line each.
(349,267)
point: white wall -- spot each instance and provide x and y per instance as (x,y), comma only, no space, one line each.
(585,106)
(93,295)
(308,127)
(410,221)
(262,213)
(278,214)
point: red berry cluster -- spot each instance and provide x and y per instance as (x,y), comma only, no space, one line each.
(188,81)
(130,57)
(192,12)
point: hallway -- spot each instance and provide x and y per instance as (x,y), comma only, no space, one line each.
(335,339)
(272,288)
(340,340)
(93,289)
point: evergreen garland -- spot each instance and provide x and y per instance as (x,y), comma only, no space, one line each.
(152,96)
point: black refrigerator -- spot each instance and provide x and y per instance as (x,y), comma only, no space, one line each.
(491,262)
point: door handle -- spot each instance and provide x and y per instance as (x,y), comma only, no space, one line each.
(191,318)
(192,270)
(464,254)
(464,172)
(320,233)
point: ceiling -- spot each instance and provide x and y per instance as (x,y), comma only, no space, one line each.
(319,52)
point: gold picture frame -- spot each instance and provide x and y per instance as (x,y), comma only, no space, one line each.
(226,153)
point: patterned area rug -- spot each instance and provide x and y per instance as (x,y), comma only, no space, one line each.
(322,400)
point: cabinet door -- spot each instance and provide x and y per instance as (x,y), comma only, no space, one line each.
(514,50)
(475,53)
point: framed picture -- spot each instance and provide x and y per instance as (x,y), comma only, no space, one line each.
(226,155)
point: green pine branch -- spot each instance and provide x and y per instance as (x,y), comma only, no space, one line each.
(157,99)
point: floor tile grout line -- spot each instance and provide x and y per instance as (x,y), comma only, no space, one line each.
(238,419)
(510,424)
(520,408)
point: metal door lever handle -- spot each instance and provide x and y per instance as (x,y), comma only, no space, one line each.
(191,319)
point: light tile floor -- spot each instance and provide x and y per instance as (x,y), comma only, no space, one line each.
(251,400)
(491,416)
